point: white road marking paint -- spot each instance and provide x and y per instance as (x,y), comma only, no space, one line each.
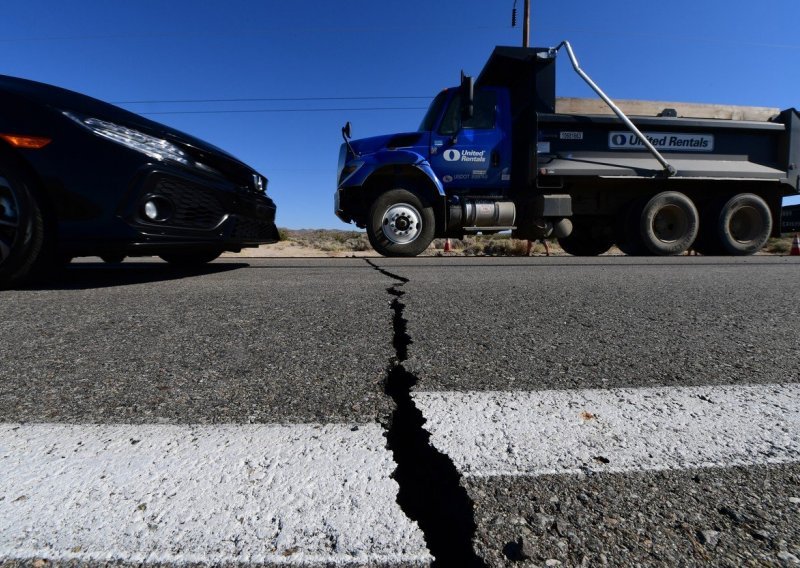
(211,494)
(563,432)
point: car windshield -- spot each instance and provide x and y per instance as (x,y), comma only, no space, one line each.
(433,112)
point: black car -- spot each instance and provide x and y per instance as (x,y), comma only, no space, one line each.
(80,177)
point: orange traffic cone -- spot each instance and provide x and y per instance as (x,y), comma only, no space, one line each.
(795,245)
(447,247)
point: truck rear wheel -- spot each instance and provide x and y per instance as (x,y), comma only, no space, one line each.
(744,224)
(737,226)
(669,223)
(400,224)
(21,229)
(590,236)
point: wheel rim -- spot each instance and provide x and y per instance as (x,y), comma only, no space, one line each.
(9,220)
(746,224)
(402,223)
(670,224)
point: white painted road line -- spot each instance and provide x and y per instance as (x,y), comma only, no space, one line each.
(614,430)
(212,494)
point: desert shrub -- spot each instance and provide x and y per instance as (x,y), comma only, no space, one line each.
(779,246)
(473,249)
(506,247)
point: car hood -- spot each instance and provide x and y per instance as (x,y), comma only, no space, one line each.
(66,100)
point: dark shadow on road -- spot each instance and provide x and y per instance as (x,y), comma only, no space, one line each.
(87,275)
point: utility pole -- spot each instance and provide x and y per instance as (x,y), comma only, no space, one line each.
(526,25)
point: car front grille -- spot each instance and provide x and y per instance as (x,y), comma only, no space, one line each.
(194,206)
(253,230)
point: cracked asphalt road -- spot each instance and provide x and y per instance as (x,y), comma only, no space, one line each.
(307,341)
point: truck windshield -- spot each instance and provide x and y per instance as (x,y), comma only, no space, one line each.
(433,112)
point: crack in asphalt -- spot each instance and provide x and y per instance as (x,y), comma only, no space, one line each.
(430,485)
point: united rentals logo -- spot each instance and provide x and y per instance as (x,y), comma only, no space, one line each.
(667,141)
(453,155)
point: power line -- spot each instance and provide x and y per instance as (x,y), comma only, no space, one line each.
(239,34)
(270,99)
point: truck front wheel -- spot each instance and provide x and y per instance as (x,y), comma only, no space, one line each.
(400,224)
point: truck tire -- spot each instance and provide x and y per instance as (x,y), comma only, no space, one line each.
(590,237)
(22,234)
(740,225)
(400,224)
(744,225)
(669,223)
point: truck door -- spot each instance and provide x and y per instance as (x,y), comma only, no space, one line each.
(473,153)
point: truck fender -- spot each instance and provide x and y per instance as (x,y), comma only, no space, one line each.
(389,159)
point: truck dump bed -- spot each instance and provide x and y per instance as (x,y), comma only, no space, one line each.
(594,145)
(568,138)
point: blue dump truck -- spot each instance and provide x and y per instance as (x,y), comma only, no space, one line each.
(497,154)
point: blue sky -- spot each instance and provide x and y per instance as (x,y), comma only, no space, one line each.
(730,52)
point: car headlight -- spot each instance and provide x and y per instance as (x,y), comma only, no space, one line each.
(156,148)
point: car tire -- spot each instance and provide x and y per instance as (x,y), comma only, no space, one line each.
(669,223)
(590,237)
(22,229)
(400,224)
(190,259)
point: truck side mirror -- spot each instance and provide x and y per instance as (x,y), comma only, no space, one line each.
(467,97)
(346,130)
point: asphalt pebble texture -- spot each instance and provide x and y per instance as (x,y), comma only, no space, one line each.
(234,342)
(719,517)
(565,323)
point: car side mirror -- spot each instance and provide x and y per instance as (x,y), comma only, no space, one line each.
(467,97)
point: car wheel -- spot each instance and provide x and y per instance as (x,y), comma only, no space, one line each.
(590,237)
(21,229)
(669,223)
(400,224)
(190,258)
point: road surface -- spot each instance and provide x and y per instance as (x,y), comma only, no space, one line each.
(386,412)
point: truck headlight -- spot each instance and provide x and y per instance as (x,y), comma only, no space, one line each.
(156,148)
